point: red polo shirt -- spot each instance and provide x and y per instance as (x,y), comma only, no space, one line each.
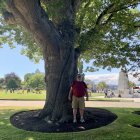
(79,88)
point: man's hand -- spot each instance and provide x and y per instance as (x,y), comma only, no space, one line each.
(69,98)
(70,94)
(86,98)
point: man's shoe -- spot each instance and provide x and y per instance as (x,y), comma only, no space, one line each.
(82,120)
(74,121)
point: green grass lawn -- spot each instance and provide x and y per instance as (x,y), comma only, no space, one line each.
(22,96)
(19,95)
(120,129)
(34,96)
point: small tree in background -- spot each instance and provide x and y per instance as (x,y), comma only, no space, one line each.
(36,81)
(12,84)
(12,81)
(102,85)
(131,84)
(89,84)
(2,83)
(27,77)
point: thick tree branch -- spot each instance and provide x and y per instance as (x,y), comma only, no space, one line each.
(100,23)
(111,9)
(108,20)
(83,14)
(30,14)
(60,10)
(63,16)
(9,18)
(69,6)
(123,7)
(101,16)
(75,5)
(13,16)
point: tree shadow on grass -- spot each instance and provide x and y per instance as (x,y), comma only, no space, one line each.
(138,113)
(94,118)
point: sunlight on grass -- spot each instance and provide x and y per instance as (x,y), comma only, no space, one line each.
(6,118)
(2,123)
(2,113)
(30,138)
(9,124)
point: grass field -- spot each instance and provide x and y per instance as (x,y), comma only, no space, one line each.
(120,129)
(19,95)
(22,96)
(42,96)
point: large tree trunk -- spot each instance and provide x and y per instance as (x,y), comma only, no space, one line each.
(56,39)
(60,73)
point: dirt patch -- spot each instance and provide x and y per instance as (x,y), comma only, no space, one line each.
(27,120)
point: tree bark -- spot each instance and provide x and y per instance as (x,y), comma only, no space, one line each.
(59,75)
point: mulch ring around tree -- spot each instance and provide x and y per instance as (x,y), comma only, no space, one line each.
(136,125)
(94,118)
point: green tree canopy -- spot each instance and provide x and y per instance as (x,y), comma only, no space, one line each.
(35,80)
(27,76)
(102,85)
(2,83)
(12,81)
(132,84)
(12,84)
(107,32)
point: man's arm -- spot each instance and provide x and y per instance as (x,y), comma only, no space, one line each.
(86,95)
(70,94)
(86,92)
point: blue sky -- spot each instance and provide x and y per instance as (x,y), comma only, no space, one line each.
(12,61)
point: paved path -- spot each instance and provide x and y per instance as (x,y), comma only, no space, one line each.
(88,104)
(112,104)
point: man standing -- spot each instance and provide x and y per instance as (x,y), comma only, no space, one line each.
(77,92)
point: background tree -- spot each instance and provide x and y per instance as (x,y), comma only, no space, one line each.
(106,31)
(131,84)
(12,84)
(102,85)
(89,83)
(2,83)
(12,81)
(27,77)
(36,81)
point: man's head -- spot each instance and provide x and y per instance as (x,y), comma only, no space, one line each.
(79,77)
